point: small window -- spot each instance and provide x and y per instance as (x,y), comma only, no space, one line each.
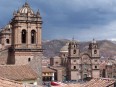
(95,60)
(31,83)
(7,41)
(95,67)
(29,59)
(74,67)
(8,29)
(74,52)
(95,51)
(56,62)
(74,60)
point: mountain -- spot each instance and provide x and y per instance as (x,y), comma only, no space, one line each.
(52,48)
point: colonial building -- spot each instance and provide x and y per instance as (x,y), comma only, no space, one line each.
(26,36)
(22,35)
(108,68)
(20,41)
(78,65)
(47,74)
(5,37)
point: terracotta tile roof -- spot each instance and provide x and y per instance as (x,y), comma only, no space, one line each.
(9,83)
(46,69)
(93,83)
(18,73)
(68,85)
(99,83)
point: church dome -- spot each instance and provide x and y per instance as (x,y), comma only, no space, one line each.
(26,9)
(64,48)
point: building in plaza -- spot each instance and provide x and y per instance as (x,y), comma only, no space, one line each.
(108,68)
(77,65)
(26,36)
(20,41)
(48,74)
(22,35)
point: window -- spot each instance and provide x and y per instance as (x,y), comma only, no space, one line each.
(74,67)
(56,62)
(8,29)
(74,60)
(31,83)
(95,60)
(74,52)
(23,36)
(33,36)
(29,59)
(95,51)
(7,41)
(95,67)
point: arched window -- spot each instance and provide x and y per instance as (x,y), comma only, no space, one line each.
(23,36)
(95,67)
(29,59)
(33,36)
(74,67)
(7,41)
(95,51)
(74,51)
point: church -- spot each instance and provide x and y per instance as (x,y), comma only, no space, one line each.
(22,40)
(76,65)
(21,47)
(22,36)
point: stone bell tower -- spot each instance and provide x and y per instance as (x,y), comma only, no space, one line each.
(95,58)
(73,61)
(26,35)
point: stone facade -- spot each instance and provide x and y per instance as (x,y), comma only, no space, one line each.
(83,65)
(108,68)
(22,36)
(5,37)
(78,65)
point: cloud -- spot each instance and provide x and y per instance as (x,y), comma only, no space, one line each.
(84,19)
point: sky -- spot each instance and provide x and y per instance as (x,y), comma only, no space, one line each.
(65,19)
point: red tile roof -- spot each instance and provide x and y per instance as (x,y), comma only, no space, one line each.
(93,83)
(46,69)
(18,73)
(9,83)
(99,83)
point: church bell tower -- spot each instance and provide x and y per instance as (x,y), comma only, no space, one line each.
(26,35)
(73,61)
(95,57)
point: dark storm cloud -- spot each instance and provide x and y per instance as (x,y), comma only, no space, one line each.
(84,19)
